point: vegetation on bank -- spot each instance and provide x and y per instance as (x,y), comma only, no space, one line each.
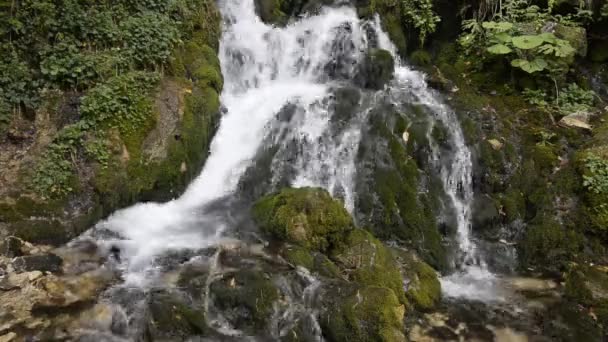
(90,85)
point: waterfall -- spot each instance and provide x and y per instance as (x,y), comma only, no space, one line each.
(266,70)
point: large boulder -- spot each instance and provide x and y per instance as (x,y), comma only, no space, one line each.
(362,314)
(245,299)
(308,217)
(368,262)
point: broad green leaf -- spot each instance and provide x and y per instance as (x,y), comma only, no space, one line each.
(538,64)
(547,37)
(499,49)
(527,42)
(503,37)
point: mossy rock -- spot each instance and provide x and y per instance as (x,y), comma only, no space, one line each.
(423,286)
(245,298)
(307,217)
(368,262)
(313,261)
(391,202)
(172,317)
(376,69)
(549,245)
(362,314)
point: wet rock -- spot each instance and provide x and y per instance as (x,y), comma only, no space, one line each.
(67,291)
(173,317)
(438,81)
(423,288)
(346,103)
(496,144)
(11,336)
(576,120)
(44,263)
(244,299)
(368,262)
(11,247)
(376,69)
(354,313)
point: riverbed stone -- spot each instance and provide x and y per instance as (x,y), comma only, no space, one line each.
(353,313)
(245,298)
(44,263)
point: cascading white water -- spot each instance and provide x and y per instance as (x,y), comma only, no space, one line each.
(472,279)
(266,68)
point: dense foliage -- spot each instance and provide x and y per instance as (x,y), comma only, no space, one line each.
(106,54)
(536,41)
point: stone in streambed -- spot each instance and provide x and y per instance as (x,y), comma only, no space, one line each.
(44,263)
(369,262)
(173,317)
(245,298)
(353,313)
(423,287)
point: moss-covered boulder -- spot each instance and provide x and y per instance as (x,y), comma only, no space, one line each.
(368,262)
(245,298)
(362,314)
(173,317)
(376,69)
(313,261)
(397,198)
(423,288)
(308,217)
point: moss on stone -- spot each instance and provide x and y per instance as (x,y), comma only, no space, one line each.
(394,206)
(424,290)
(308,217)
(172,318)
(369,262)
(549,245)
(246,297)
(363,314)
(299,256)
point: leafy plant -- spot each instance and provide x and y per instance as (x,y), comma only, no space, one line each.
(574,99)
(121,102)
(536,97)
(596,177)
(420,14)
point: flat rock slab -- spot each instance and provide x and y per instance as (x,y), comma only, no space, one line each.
(44,263)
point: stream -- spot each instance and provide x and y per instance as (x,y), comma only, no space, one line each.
(280,128)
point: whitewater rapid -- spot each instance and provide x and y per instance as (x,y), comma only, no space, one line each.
(266,68)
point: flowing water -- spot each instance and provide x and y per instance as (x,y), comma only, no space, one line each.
(279,96)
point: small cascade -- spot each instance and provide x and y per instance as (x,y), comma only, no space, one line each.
(471,278)
(304,67)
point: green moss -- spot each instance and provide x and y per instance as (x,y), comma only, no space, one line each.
(173,318)
(365,314)
(299,256)
(424,289)
(420,58)
(549,245)
(393,206)
(308,217)
(576,288)
(369,262)
(249,295)
(513,204)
